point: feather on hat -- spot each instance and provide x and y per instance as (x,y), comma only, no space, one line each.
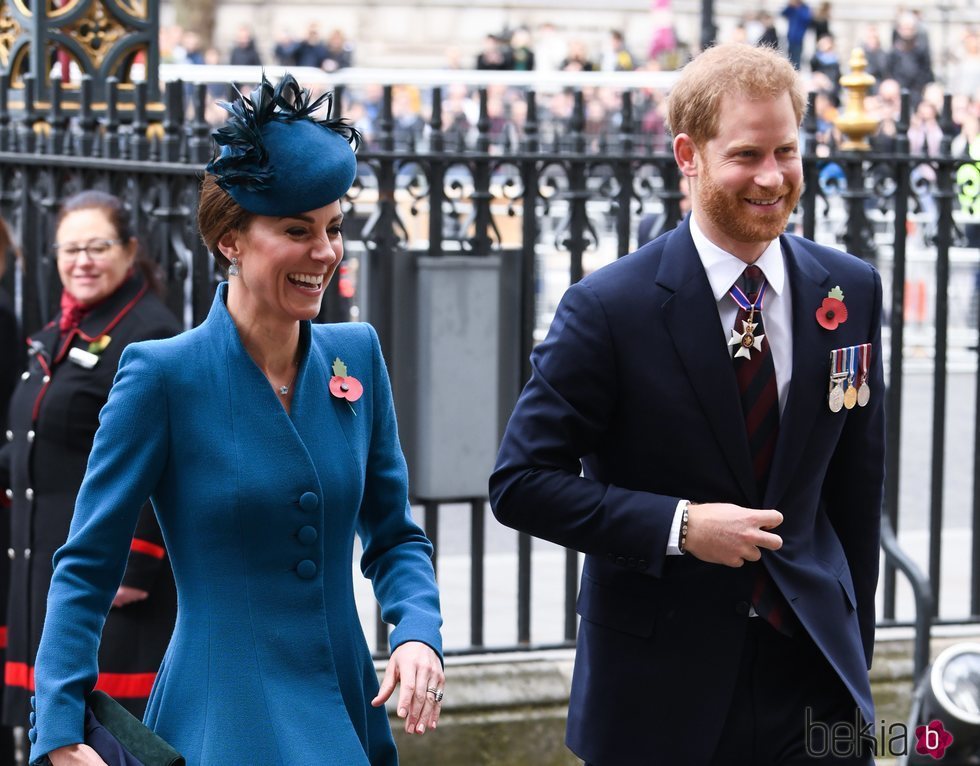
(274,158)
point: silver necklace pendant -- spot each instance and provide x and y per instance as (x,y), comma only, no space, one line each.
(283,390)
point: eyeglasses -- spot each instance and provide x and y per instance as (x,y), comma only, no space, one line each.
(96,249)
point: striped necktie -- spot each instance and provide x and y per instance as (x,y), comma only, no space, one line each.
(757,384)
(757,388)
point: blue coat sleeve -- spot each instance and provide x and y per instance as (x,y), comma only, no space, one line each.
(127,459)
(397,555)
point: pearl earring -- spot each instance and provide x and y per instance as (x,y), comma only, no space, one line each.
(233,270)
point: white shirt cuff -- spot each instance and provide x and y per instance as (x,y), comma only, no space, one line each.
(674,540)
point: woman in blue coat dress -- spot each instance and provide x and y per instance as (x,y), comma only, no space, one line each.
(264,442)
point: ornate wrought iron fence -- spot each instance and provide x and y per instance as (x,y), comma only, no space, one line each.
(550,187)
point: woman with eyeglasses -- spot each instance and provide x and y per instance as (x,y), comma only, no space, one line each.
(108,301)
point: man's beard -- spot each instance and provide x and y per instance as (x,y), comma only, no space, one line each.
(726,210)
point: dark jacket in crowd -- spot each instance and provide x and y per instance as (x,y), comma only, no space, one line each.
(245,55)
(53,416)
(769,38)
(910,64)
(310,54)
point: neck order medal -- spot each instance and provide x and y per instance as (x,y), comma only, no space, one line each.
(747,341)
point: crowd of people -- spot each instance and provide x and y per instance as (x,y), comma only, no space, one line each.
(807,35)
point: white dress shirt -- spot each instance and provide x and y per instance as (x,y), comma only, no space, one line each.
(723,270)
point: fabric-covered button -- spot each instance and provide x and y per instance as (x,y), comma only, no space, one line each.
(33,718)
(32,735)
(308,501)
(306,569)
(33,702)
(30,437)
(307,535)
(29,494)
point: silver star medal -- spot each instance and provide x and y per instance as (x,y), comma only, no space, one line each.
(746,341)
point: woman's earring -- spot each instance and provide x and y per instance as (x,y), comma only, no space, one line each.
(233,270)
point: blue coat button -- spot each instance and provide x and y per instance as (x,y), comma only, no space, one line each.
(34,702)
(306,569)
(307,535)
(32,735)
(33,718)
(308,502)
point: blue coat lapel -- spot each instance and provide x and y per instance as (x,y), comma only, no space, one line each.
(808,389)
(691,318)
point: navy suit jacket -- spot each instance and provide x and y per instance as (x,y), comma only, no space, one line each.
(635,385)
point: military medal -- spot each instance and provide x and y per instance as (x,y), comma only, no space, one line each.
(864,390)
(835,399)
(851,394)
(747,341)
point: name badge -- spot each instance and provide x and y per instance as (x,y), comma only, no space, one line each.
(84,359)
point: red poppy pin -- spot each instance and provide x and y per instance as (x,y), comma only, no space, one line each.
(832,311)
(345,386)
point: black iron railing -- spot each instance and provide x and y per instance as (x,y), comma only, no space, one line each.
(552,195)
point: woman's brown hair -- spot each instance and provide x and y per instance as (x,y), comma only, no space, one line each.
(217,214)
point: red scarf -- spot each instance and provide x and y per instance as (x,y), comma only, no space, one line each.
(72,312)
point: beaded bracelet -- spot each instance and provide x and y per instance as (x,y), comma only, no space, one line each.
(683,540)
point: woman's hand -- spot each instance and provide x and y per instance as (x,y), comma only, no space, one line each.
(418,669)
(126,595)
(75,755)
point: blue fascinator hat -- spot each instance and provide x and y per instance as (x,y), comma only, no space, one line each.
(274,158)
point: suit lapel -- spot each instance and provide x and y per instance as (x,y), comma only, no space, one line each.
(691,319)
(808,388)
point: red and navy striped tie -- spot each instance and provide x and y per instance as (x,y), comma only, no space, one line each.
(757,386)
(760,406)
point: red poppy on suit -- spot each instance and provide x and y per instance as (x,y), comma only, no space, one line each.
(832,311)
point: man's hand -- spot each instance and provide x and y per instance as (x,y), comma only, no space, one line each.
(722,533)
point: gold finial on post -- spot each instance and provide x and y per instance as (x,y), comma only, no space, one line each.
(855,123)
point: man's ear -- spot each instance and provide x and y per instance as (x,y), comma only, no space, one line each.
(686,155)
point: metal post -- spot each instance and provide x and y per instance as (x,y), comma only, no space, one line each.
(708,29)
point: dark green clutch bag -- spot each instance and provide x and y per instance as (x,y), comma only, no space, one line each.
(142,743)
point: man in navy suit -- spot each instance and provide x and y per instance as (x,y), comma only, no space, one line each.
(704,421)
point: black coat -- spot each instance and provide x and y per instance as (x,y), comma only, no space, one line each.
(11,364)
(53,417)
(11,354)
